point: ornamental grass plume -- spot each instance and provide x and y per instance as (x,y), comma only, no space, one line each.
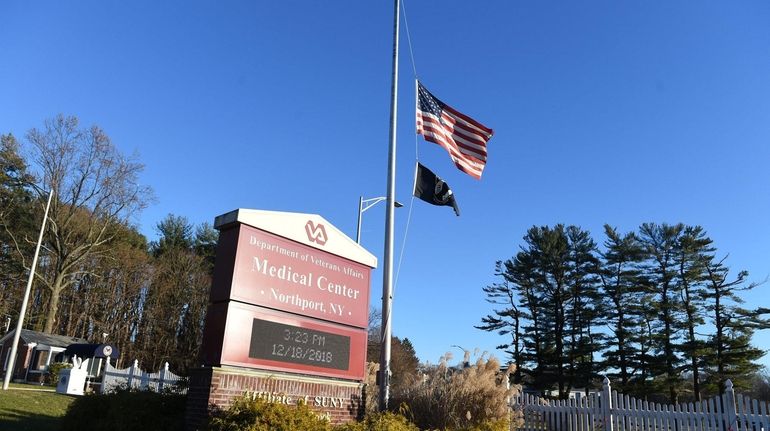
(371,391)
(472,396)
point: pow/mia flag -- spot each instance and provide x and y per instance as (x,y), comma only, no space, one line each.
(432,189)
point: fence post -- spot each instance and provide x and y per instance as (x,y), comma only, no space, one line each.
(132,373)
(162,379)
(105,378)
(731,415)
(607,405)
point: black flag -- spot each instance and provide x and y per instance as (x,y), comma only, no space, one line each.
(433,190)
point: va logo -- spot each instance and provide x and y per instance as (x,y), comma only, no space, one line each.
(316,232)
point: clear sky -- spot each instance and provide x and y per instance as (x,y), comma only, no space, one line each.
(609,111)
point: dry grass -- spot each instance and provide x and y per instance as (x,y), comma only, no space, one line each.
(470,396)
(371,394)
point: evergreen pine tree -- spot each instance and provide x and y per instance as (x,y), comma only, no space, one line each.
(507,319)
(731,354)
(584,309)
(660,243)
(621,282)
(693,244)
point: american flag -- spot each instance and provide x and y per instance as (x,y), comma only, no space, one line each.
(463,137)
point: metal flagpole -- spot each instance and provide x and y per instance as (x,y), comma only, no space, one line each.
(20,322)
(387,273)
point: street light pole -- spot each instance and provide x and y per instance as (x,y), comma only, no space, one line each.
(365,204)
(20,322)
(360,213)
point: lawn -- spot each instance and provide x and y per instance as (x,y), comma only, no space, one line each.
(22,410)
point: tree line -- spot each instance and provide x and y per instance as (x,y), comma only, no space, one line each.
(98,278)
(657,310)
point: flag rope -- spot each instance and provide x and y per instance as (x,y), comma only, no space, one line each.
(403,245)
(416,79)
(409,38)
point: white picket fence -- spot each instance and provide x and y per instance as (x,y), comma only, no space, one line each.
(135,378)
(727,412)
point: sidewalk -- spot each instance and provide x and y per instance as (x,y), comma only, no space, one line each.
(33,389)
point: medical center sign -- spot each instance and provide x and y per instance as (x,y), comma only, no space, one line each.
(290,293)
(283,275)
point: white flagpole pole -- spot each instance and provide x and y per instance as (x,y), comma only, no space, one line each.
(14,347)
(387,270)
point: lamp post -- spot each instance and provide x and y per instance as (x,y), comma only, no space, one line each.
(365,204)
(20,322)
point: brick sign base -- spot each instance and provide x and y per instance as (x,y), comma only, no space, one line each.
(216,387)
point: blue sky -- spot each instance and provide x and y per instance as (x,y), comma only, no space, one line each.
(604,111)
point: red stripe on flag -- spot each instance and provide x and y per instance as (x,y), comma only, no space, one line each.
(464,138)
(473,148)
(466,164)
(464,149)
(469,120)
(461,125)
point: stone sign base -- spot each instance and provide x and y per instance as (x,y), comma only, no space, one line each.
(217,387)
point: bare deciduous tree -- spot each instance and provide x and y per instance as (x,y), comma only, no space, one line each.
(96,189)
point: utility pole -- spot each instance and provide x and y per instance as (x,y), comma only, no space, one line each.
(20,322)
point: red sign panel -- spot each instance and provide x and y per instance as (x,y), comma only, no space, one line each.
(278,341)
(274,272)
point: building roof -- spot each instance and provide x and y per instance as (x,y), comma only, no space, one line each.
(93,351)
(54,340)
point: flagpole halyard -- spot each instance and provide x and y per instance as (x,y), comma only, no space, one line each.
(387,273)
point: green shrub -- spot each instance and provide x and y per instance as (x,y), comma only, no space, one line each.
(489,425)
(380,422)
(255,414)
(126,410)
(54,370)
